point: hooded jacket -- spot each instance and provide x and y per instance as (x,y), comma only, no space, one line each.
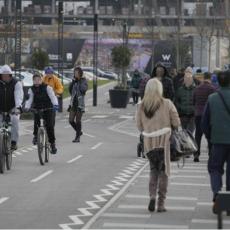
(168,89)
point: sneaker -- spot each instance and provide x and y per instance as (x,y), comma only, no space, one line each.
(35,140)
(151,206)
(14,145)
(161,209)
(53,148)
(196,159)
(77,139)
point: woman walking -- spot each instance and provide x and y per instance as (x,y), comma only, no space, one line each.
(77,90)
(155,117)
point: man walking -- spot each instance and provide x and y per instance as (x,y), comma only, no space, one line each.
(216,126)
(200,98)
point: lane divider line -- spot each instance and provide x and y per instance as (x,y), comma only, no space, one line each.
(42,176)
(3,199)
(88,135)
(74,159)
(97,146)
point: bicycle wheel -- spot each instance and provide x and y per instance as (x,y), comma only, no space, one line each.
(8,152)
(41,145)
(47,148)
(2,155)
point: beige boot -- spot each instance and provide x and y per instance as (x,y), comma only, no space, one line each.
(162,190)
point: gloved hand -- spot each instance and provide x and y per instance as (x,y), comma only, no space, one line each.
(69,108)
(56,108)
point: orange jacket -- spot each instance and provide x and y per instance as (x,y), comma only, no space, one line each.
(55,83)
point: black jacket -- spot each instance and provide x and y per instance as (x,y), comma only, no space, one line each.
(168,89)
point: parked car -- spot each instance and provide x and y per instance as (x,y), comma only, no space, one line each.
(100,73)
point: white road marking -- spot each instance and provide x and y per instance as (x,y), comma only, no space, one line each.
(142,226)
(204,203)
(114,198)
(88,135)
(3,199)
(208,221)
(126,215)
(190,184)
(74,159)
(168,197)
(178,176)
(30,149)
(67,127)
(86,120)
(13,155)
(17,153)
(99,116)
(97,146)
(126,117)
(42,176)
(175,208)
(24,151)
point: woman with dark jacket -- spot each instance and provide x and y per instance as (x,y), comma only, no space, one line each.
(160,72)
(77,90)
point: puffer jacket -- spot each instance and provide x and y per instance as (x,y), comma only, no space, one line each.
(184,100)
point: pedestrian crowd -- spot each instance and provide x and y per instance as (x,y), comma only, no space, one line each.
(198,103)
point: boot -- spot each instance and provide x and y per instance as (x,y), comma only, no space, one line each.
(53,148)
(153,181)
(77,138)
(163,184)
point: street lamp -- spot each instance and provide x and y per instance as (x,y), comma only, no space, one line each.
(95,53)
(60,49)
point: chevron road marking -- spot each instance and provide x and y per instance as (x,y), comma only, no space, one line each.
(115,186)
(97,146)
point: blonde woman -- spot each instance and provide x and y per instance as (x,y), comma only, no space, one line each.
(155,117)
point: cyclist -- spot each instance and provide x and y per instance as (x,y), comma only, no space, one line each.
(11,98)
(42,97)
(54,82)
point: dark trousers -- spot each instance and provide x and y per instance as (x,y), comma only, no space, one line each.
(49,121)
(220,154)
(199,134)
(135,97)
(187,122)
(75,121)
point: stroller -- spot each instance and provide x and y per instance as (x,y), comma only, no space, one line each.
(140,147)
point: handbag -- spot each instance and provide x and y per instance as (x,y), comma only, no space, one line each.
(183,143)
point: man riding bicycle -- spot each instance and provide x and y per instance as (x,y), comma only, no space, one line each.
(43,98)
(11,98)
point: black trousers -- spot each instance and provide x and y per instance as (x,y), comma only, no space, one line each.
(49,119)
(199,134)
(75,121)
(135,97)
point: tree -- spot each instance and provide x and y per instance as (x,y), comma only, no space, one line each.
(121,57)
(40,59)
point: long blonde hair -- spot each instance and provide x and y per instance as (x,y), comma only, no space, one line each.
(153,97)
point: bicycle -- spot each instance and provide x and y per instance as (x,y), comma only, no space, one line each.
(43,145)
(5,142)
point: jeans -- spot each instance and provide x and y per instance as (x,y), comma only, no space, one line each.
(220,154)
(14,128)
(199,134)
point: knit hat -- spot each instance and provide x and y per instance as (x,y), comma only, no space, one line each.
(6,70)
(49,70)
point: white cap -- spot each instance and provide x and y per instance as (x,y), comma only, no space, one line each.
(5,70)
